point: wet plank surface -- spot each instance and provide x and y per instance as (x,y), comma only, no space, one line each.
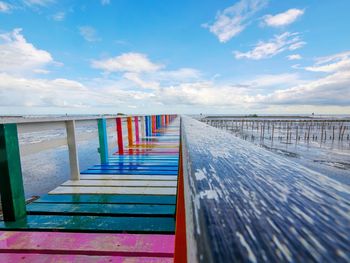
(102,183)
(93,224)
(101,209)
(114,190)
(108,199)
(87,243)
(246,204)
(44,258)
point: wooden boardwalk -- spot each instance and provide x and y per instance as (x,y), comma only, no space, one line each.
(119,210)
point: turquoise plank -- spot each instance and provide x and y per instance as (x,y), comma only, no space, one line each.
(93,224)
(108,199)
(101,209)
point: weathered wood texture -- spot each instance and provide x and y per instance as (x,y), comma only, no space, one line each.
(73,150)
(86,244)
(245,204)
(11,181)
(102,137)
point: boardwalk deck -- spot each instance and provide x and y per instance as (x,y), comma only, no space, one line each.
(130,193)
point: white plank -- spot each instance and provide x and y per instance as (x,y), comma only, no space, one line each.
(113,183)
(114,190)
(127,177)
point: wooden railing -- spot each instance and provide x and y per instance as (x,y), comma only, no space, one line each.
(11,181)
(245,204)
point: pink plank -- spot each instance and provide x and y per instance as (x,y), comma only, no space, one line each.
(87,243)
(45,258)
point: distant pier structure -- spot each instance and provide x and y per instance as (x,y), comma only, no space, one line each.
(288,129)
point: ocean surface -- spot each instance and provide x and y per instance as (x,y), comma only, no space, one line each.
(323,152)
(45,158)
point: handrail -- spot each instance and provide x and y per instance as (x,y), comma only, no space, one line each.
(245,204)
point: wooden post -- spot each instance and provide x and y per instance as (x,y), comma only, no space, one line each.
(120,135)
(130,139)
(73,150)
(153,124)
(180,255)
(137,135)
(147,126)
(102,137)
(142,126)
(11,181)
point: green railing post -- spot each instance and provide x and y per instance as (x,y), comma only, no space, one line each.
(11,181)
(102,137)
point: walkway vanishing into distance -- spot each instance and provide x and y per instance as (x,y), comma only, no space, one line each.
(180,191)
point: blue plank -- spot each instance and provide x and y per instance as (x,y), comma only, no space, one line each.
(116,172)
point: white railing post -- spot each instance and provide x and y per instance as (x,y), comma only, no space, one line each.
(142,126)
(73,150)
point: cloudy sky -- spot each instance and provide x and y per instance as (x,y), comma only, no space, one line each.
(183,56)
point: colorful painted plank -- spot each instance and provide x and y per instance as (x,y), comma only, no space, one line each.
(114,190)
(108,199)
(134,168)
(120,183)
(87,243)
(101,209)
(129,172)
(93,224)
(128,177)
(45,258)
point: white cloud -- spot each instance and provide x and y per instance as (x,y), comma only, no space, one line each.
(283,19)
(105,2)
(333,63)
(59,16)
(4,7)
(294,57)
(127,62)
(280,43)
(135,78)
(19,56)
(234,19)
(39,2)
(270,80)
(329,90)
(89,33)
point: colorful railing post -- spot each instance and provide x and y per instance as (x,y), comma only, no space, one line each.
(153,124)
(11,181)
(130,139)
(73,150)
(120,135)
(180,255)
(147,125)
(137,136)
(142,126)
(102,137)
(163,120)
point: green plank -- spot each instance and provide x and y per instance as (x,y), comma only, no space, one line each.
(11,182)
(93,224)
(102,138)
(108,199)
(101,209)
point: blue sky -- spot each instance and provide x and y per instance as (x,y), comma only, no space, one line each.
(153,56)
